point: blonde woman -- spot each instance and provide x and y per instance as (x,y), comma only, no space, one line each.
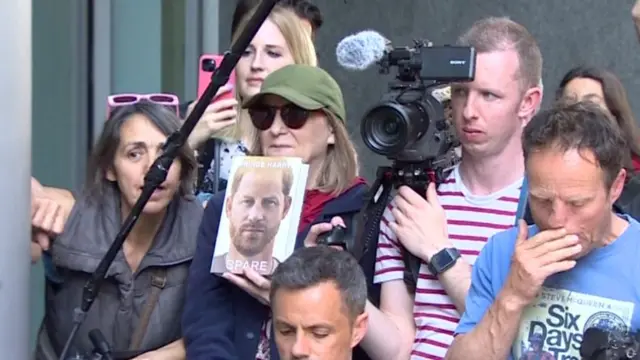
(282,40)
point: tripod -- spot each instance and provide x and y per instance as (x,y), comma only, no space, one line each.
(417,176)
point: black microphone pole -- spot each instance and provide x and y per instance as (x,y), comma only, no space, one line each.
(158,171)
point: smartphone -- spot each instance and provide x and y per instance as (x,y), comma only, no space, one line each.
(208,63)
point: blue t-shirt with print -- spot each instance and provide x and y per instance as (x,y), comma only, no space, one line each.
(602,290)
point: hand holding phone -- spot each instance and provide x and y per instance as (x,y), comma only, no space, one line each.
(208,63)
(219,114)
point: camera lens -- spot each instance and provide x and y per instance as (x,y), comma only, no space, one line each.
(384,129)
(391,127)
(208,65)
(387,128)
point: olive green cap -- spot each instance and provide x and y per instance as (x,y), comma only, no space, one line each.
(308,87)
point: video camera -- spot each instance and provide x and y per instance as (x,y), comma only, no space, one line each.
(599,344)
(409,125)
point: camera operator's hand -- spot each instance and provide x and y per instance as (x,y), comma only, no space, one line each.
(216,117)
(535,259)
(420,225)
(318,229)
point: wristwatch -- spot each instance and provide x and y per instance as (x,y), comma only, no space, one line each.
(443,260)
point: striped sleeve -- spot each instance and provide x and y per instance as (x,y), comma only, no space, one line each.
(389,264)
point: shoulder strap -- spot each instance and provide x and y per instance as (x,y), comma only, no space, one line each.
(158,281)
(521,213)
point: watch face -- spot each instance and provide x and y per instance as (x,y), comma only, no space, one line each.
(443,260)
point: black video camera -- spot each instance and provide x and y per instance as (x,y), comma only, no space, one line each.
(599,344)
(409,125)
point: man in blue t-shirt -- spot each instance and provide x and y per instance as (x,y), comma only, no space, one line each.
(535,290)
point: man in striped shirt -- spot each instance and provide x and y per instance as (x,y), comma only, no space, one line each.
(479,198)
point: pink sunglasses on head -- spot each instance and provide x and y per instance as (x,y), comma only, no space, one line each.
(168,100)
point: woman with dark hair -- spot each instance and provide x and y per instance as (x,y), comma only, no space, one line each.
(605,89)
(140,304)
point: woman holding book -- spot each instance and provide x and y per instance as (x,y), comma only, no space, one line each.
(299,113)
(139,306)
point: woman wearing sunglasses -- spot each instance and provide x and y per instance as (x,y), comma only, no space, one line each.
(282,40)
(299,112)
(149,275)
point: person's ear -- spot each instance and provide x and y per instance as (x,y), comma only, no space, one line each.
(360,326)
(287,205)
(111,174)
(617,186)
(530,104)
(227,206)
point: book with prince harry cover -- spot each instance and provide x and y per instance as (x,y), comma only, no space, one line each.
(260,216)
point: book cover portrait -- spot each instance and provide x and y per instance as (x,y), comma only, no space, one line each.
(262,206)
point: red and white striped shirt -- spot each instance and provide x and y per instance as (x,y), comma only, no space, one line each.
(471,220)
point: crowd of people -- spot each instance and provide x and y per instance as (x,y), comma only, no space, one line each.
(492,283)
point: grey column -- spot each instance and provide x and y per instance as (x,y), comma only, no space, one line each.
(101,47)
(211,27)
(15,157)
(193,35)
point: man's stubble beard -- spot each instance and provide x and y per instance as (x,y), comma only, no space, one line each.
(251,247)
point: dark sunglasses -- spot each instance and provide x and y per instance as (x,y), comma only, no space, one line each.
(293,116)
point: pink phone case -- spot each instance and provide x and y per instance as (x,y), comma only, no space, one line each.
(206,65)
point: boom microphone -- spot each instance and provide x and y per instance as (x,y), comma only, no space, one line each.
(359,51)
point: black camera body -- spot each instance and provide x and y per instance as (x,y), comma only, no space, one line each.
(408,125)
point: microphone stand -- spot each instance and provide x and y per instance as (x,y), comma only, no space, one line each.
(158,171)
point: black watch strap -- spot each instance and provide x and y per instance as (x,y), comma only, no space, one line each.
(443,260)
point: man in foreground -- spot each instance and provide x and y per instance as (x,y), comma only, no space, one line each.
(575,268)
(318,296)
